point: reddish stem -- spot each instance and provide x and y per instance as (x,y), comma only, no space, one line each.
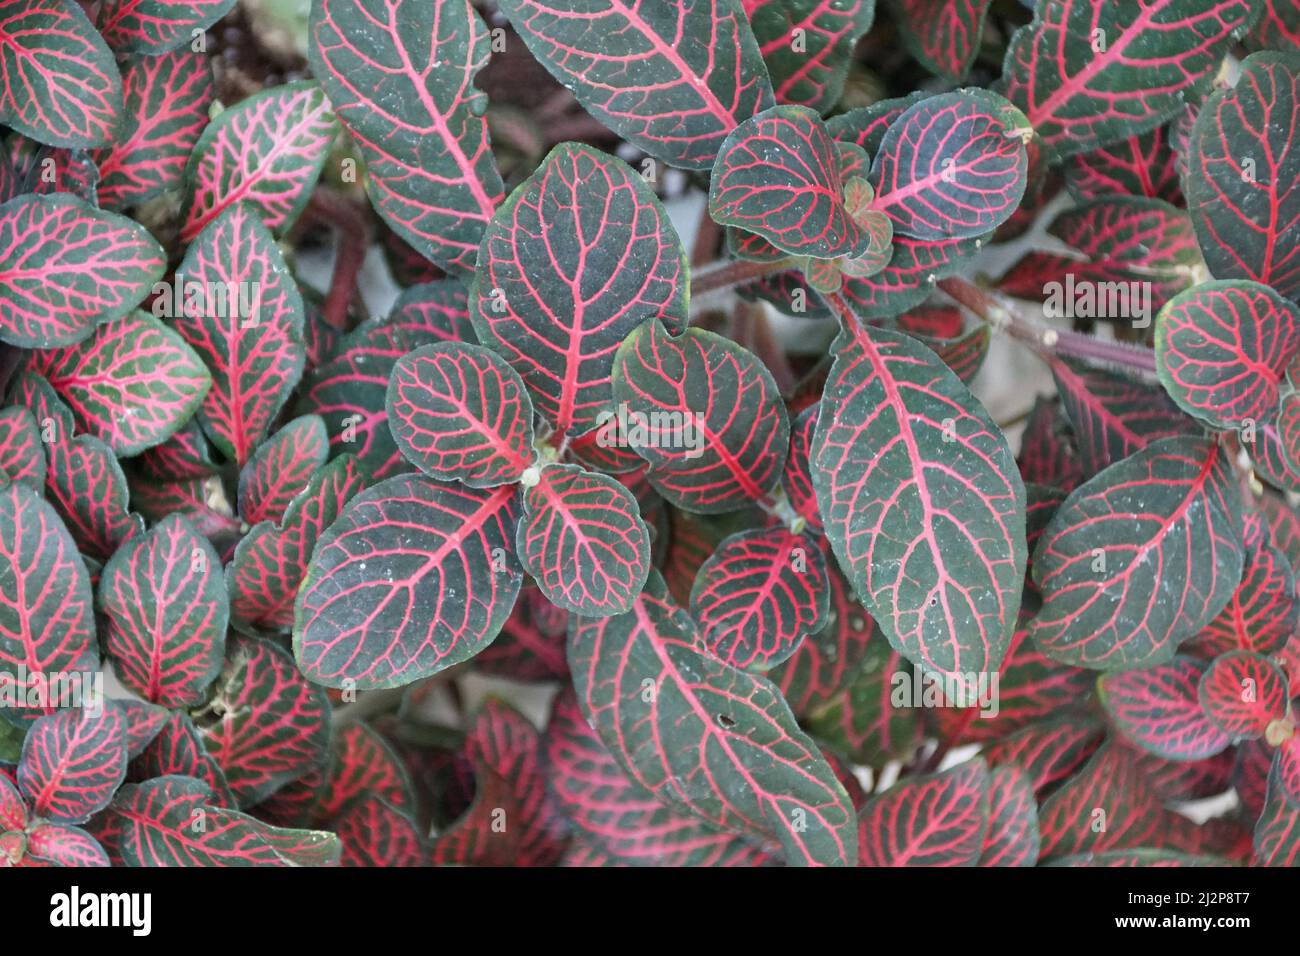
(351,240)
(727,275)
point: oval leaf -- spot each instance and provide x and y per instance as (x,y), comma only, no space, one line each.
(582,539)
(1243,693)
(413,577)
(73,762)
(459,412)
(928,821)
(922,502)
(1158,709)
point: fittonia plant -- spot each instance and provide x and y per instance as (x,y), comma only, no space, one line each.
(759,563)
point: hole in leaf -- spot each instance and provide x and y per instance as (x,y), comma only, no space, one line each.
(725,721)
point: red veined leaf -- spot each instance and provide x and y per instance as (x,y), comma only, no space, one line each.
(1243,693)
(46,169)
(937,820)
(166,101)
(252,343)
(827,661)
(672,79)
(729,749)
(401,78)
(1278,27)
(73,762)
(473,839)
(1107,805)
(811,73)
(705,413)
(459,412)
(866,126)
(865,720)
(1114,416)
(503,741)
(362,764)
(13,808)
(1049,452)
(1277,834)
(952,166)
(65,846)
(265,151)
(66,266)
(1283,526)
(778,175)
(557,292)
(87,488)
(530,646)
(168,822)
(143,724)
(1142,165)
(22,457)
(60,83)
(1123,587)
(413,577)
(962,350)
(46,613)
(1250,773)
(619,817)
(157,26)
(1242,181)
(1146,246)
(187,454)
(1263,613)
(1012,838)
(1157,55)
(943,584)
(796,480)
(133,383)
(1159,710)
(759,595)
(374,834)
(1287,762)
(1048,752)
(270,561)
(943,35)
(1222,350)
(282,467)
(265,725)
(167,609)
(582,538)
(178,749)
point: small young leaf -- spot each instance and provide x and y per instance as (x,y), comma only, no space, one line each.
(282,467)
(705,413)
(1242,693)
(759,595)
(582,538)
(952,166)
